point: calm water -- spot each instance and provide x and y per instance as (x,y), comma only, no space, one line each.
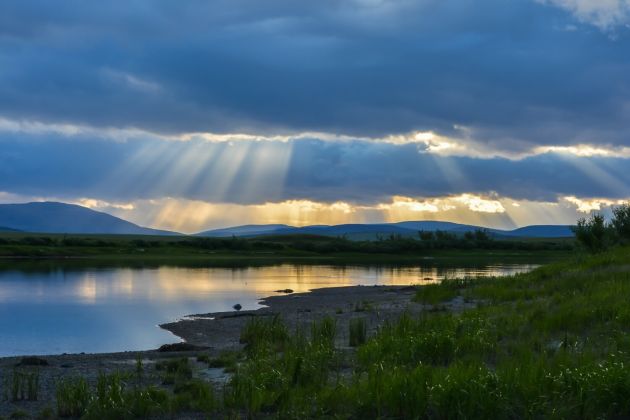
(115,309)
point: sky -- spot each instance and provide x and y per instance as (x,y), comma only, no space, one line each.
(196,114)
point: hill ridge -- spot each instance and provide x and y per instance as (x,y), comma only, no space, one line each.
(57,217)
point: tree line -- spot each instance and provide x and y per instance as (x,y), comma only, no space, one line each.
(596,234)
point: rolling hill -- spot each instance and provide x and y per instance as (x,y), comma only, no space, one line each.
(53,217)
(6,229)
(373,231)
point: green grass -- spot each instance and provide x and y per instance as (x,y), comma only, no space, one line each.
(73,397)
(113,397)
(227,360)
(262,332)
(21,385)
(272,380)
(358,332)
(194,395)
(551,343)
(175,370)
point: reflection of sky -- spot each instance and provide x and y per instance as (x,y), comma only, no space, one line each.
(119,309)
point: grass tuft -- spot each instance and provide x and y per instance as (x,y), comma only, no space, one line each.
(21,385)
(358,332)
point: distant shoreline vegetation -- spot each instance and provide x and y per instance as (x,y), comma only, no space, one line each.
(596,235)
(24,245)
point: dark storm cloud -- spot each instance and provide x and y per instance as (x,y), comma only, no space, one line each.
(257,172)
(507,69)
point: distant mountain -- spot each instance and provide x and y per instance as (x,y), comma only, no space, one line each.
(6,229)
(245,230)
(348,229)
(543,231)
(373,231)
(52,217)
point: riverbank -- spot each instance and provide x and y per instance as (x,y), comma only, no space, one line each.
(375,304)
(214,334)
(554,342)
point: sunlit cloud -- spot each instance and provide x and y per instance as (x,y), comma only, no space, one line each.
(585,150)
(479,204)
(193,216)
(429,142)
(94,204)
(69,130)
(592,204)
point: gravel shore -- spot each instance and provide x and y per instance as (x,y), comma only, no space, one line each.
(216,332)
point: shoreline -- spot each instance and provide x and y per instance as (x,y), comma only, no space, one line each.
(217,332)
(188,327)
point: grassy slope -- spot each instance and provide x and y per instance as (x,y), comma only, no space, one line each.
(551,343)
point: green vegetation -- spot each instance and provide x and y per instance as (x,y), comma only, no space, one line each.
(227,360)
(358,332)
(73,397)
(554,342)
(111,398)
(265,248)
(264,332)
(596,235)
(21,386)
(551,343)
(273,380)
(175,370)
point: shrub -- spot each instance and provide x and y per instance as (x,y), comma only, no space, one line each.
(621,222)
(593,233)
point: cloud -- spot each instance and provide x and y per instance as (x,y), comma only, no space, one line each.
(95,204)
(461,145)
(480,204)
(362,103)
(592,204)
(604,14)
(356,68)
(253,172)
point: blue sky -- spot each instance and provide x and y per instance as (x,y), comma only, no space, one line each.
(198,114)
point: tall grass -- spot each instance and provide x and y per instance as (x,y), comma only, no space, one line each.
(284,379)
(73,397)
(175,370)
(358,332)
(435,293)
(551,343)
(21,385)
(110,398)
(260,332)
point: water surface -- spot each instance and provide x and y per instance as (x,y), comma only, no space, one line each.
(63,310)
